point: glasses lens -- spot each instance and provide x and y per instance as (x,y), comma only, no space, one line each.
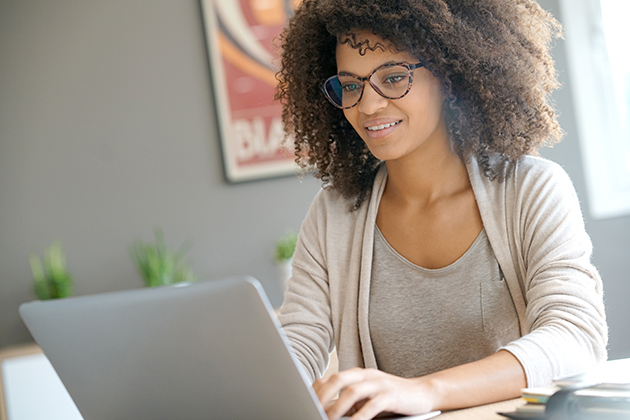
(391,81)
(343,91)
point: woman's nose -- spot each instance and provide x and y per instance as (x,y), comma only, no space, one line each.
(371,101)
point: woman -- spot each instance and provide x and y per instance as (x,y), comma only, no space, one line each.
(447,265)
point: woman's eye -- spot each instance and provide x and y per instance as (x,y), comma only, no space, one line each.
(393,79)
(350,87)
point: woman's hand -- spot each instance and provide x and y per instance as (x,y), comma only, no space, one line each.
(365,393)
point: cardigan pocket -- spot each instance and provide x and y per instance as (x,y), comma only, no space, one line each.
(498,312)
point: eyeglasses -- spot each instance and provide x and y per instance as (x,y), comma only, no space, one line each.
(391,81)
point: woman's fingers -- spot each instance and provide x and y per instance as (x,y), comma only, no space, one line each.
(372,408)
(354,398)
(365,393)
(328,388)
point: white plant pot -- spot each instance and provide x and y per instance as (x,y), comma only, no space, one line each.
(284,272)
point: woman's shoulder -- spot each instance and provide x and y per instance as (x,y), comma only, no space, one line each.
(329,201)
(329,212)
(531,187)
(525,174)
(535,175)
(541,190)
(535,167)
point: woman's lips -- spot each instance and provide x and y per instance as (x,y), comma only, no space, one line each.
(380,129)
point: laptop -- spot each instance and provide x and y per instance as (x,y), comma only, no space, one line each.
(206,350)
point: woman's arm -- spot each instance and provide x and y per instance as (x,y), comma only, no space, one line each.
(565,329)
(306,315)
(545,257)
(368,392)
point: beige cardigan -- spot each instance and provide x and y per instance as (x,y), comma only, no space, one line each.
(535,227)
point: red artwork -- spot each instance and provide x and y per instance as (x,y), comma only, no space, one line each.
(240,36)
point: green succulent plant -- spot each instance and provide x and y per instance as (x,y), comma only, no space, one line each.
(285,246)
(158,265)
(51,279)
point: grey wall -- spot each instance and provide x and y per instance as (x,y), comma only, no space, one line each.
(107,130)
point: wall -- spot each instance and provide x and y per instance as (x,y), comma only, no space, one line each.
(107,130)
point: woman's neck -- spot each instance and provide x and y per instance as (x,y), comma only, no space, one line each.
(426,176)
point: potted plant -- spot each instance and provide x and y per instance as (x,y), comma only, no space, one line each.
(51,279)
(285,247)
(158,265)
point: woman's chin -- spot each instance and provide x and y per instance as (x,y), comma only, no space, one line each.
(386,152)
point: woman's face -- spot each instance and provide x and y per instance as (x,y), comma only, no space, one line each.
(394,128)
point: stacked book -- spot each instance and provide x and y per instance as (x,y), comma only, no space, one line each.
(601,394)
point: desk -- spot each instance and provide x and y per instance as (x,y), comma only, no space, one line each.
(487,412)
(6,354)
(483,412)
(31,388)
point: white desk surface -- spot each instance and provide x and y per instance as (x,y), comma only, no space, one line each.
(483,412)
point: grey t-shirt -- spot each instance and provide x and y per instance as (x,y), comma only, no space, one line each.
(425,320)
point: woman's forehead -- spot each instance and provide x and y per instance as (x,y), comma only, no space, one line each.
(363,41)
(362,54)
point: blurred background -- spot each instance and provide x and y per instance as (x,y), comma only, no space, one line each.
(108,130)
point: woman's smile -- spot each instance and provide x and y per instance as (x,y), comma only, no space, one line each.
(379,128)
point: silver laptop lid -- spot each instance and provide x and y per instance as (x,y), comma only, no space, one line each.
(207,350)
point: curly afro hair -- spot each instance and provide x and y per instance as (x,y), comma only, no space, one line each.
(491,57)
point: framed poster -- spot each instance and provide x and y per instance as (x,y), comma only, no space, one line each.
(240,38)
